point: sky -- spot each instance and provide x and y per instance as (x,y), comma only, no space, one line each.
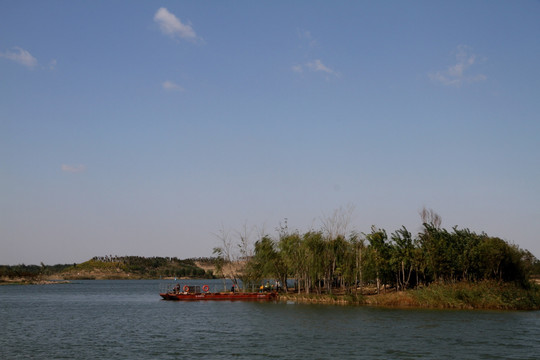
(150,127)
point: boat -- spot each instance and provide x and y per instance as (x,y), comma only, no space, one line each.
(196,293)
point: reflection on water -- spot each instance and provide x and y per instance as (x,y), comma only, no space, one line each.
(127,319)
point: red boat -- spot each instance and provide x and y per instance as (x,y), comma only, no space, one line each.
(191,293)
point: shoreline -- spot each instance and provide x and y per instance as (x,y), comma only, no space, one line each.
(487,295)
(24,281)
(459,296)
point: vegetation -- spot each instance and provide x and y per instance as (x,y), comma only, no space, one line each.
(489,294)
(479,295)
(435,261)
(231,257)
(111,267)
(31,271)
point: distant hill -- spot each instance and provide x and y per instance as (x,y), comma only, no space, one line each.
(112,267)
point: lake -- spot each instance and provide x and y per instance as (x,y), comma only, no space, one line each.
(126,319)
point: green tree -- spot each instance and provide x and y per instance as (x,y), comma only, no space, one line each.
(379,251)
(403,256)
(293,255)
(267,262)
(315,249)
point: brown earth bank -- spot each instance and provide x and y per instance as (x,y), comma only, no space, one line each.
(97,274)
(206,265)
(485,295)
(30,281)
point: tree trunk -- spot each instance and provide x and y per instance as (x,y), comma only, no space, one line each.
(378,283)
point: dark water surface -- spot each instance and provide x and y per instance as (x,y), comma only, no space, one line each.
(127,320)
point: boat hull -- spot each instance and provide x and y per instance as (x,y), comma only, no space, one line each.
(265,296)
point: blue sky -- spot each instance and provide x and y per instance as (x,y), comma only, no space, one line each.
(143,128)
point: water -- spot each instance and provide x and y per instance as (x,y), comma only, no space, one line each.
(127,320)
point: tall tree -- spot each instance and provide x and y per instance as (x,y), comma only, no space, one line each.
(403,256)
(379,251)
(293,255)
(228,256)
(429,216)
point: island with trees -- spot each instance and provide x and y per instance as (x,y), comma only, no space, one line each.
(440,268)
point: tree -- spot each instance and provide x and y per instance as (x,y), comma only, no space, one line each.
(338,223)
(227,257)
(379,254)
(293,255)
(315,249)
(358,247)
(267,262)
(429,216)
(403,256)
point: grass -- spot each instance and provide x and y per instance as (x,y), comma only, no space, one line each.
(99,265)
(463,295)
(349,299)
(482,295)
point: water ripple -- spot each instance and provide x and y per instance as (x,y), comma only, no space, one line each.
(126,320)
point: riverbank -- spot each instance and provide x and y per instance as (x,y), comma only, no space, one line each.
(30,281)
(487,295)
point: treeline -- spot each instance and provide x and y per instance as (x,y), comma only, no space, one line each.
(31,271)
(153,267)
(321,262)
(147,267)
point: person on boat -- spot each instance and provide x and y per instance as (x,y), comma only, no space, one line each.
(177,288)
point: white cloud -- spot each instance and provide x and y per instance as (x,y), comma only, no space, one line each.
(315,66)
(459,73)
(297,68)
(171,86)
(73,169)
(170,25)
(22,57)
(52,64)
(305,35)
